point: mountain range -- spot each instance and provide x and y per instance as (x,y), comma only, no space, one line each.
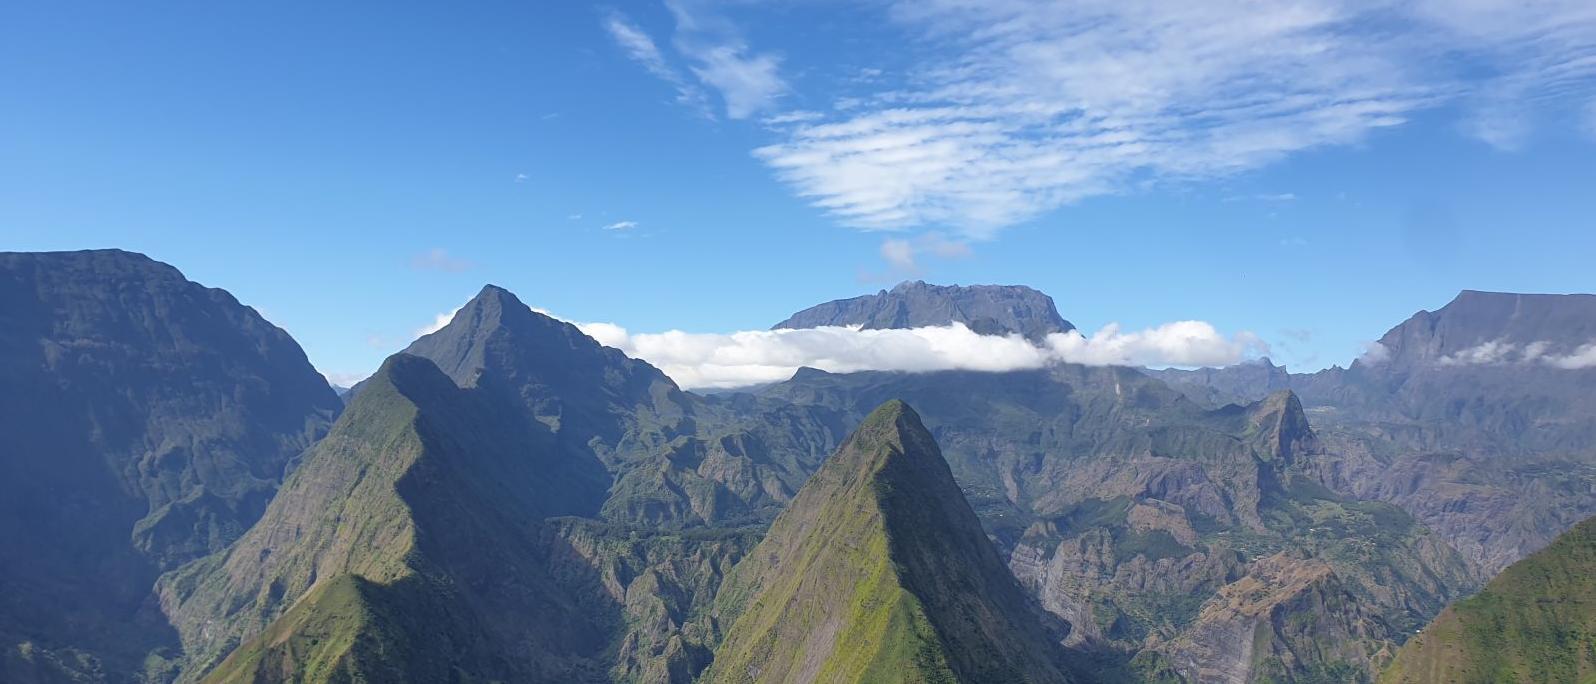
(186,499)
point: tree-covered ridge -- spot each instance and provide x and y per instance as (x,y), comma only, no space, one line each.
(1536,622)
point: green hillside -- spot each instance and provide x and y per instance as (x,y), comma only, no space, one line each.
(879,572)
(1536,622)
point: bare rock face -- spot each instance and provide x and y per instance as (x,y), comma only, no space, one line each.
(1286,618)
(986,309)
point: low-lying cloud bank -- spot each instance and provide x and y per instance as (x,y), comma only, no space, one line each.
(1499,352)
(725,360)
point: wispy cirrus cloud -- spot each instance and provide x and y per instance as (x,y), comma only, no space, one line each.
(903,254)
(642,49)
(439,259)
(1023,106)
(716,54)
(1036,105)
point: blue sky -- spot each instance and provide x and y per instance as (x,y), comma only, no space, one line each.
(1310,172)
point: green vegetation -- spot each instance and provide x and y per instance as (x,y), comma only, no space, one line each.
(878,572)
(1536,622)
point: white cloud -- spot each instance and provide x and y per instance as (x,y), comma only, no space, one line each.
(621,225)
(1501,352)
(902,254)
(748,83)
(1495,351)
(1042,104)
(1583,357)
(1182,343)
(437,322)
(642,49)
(1374,353)
(438,259)
(1022,106)
(739,359)
(714,360)
(898,253)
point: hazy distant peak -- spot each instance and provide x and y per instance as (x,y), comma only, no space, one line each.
(1479,327)
(986,309)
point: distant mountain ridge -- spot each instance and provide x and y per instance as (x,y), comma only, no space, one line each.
(1459,332)
(1457,416)
(985,309)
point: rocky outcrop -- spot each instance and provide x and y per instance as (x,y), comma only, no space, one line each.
(1287,619)
(1476,418)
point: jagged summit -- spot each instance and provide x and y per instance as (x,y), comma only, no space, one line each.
(879,571)
(986,309)
(497,340)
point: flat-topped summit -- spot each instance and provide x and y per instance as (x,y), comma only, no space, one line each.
(986,309)
(1480,327)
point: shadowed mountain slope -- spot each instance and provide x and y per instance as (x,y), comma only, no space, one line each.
(424,506)
(632,447)
(147,421)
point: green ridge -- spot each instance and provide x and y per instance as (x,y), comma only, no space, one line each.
(879,572)
(408,542)
(1536,622)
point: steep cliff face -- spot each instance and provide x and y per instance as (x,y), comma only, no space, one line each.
(879,572)
(1535,622)
(986,309)
(147,421)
